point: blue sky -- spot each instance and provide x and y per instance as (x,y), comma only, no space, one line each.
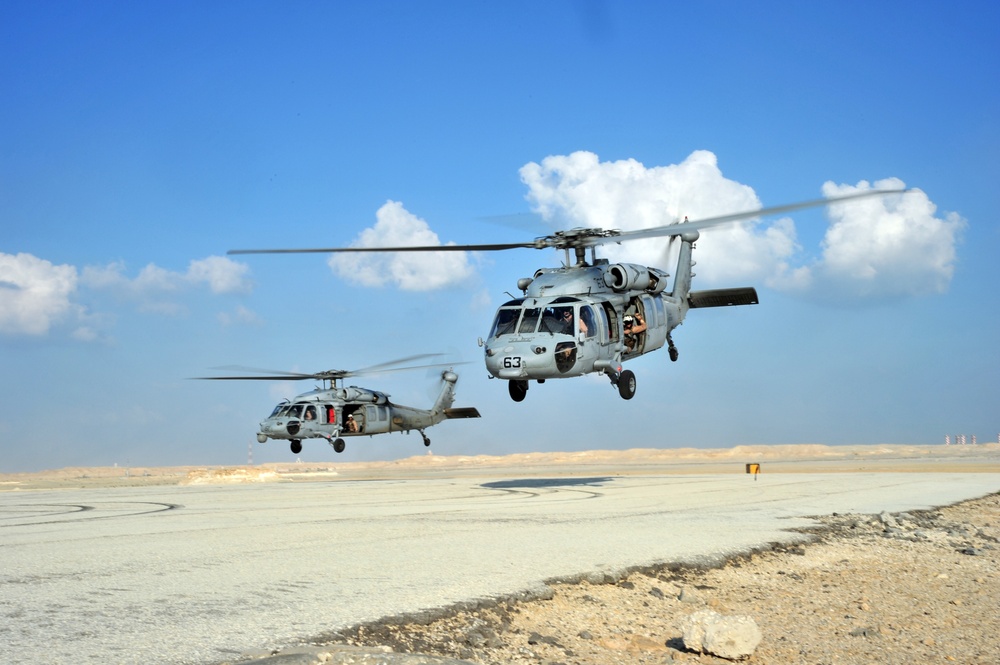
(141,141)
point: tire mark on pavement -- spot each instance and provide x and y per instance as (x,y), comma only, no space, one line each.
(25,516)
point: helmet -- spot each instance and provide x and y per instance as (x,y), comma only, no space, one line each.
(628,319)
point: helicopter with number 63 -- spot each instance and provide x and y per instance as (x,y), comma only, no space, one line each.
(332,411)
(590,315)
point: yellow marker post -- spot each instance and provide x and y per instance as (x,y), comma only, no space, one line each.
(754,469)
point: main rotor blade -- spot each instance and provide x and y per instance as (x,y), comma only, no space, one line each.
(330,374)
(589,237)
(698,224)
(241,368)
(276,377)
(403,369)
(398,361)
(271,374)
(426,248)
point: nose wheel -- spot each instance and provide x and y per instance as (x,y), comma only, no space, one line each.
(296,446)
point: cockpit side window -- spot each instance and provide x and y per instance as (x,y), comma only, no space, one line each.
(589,324)
(294,411)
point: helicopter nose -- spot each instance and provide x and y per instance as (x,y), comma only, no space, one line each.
(512,361)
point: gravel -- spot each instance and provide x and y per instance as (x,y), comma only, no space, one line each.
(915,587)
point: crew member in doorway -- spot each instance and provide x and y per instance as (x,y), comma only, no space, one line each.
(633,326)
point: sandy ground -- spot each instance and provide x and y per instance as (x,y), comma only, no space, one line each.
(805,458)
(913,588)
(917,587)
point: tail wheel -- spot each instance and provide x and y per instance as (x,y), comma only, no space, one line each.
(296,446)
(626,384)
(517,389)
(339,445)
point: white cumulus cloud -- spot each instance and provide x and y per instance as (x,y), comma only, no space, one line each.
(222,275)
(411,271)
(581,190)
(887,246)
(34,294)
(875,247)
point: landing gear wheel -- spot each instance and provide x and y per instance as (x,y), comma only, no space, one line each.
(339,445)
(672,349)
(517,389)
(296,446)
(427,442)
(626,384)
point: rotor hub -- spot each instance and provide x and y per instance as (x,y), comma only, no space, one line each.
(578,238)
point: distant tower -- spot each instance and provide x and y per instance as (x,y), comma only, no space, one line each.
(250,454)
(973,439)
(947,439)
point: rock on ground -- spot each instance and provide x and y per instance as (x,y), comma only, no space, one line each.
(731,637)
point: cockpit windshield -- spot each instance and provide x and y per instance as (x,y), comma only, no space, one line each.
(506,321)
(286,410)
(529,320)
(561,319)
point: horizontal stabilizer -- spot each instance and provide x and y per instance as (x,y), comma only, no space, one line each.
(723,297)
(462,412)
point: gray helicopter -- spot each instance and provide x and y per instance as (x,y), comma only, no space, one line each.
(590,315)
(332,411)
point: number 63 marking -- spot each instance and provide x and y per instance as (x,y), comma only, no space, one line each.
(512,362)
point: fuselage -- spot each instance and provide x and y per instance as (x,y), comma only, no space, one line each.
(329,413)
(570,321)
(353,411)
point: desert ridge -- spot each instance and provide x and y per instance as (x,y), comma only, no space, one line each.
(801,458)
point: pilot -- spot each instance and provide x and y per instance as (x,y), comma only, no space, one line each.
(633,326)
(568,323)
(350,424)
(310,413)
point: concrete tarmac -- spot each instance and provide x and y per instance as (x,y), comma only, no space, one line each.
(201,574)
